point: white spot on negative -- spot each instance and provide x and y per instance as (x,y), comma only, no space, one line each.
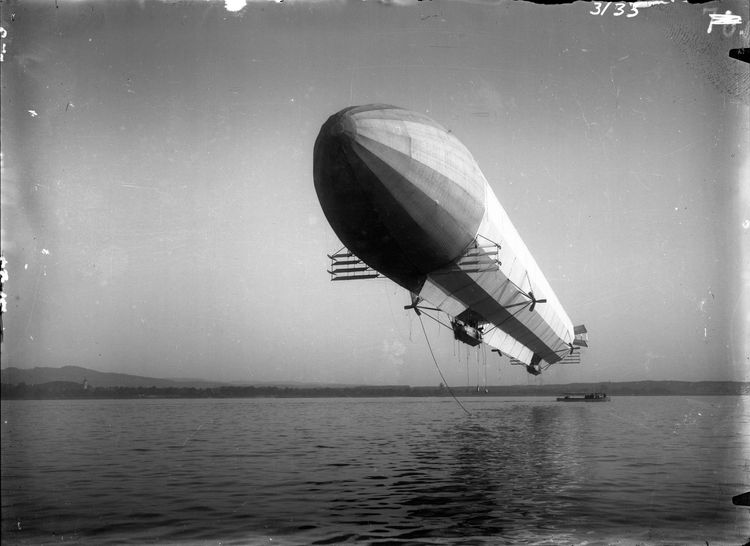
(234,5)
(45,252)
(32,113)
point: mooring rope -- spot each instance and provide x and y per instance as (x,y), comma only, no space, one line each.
(438,367)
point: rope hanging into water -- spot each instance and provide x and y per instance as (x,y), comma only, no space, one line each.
(438,367)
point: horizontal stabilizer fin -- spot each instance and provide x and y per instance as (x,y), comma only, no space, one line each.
(582,336)
(345,266)
(356,277)
(340,254)
(571,358)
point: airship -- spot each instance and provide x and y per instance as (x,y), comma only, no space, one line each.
(408,202)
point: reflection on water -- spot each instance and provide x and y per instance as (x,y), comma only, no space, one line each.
(652,470)
(514,466)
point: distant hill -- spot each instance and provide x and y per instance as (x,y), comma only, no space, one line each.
(51,380)
(76,374)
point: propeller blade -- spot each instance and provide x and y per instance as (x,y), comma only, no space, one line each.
(416,309)
(534,301)
(414,304)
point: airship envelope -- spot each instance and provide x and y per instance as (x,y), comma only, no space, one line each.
(409,202)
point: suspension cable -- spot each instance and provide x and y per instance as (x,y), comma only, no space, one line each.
(438,367)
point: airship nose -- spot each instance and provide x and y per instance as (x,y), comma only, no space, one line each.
(390,196)
(344,126)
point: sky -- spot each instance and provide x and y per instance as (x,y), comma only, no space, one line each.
(159,216)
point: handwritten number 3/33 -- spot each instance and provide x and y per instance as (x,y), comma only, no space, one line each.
(601,7)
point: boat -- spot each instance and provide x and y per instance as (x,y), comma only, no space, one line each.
(584,397)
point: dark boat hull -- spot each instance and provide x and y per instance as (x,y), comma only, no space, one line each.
(603,398)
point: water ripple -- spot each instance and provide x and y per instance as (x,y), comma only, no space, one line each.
(380,471)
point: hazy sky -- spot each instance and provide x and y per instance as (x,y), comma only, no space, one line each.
(159,216)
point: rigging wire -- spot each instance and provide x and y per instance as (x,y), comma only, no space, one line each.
(438,367)
(478,351)
(440,322)
(468,378)
(484,364)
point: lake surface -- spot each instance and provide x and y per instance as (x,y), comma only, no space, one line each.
(637,470)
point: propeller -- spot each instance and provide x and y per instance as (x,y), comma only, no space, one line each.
(534,301)
(414,303)
(416,309)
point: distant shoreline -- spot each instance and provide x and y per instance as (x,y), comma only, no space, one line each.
(62,390)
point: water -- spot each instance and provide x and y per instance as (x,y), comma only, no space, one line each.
(637,470)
